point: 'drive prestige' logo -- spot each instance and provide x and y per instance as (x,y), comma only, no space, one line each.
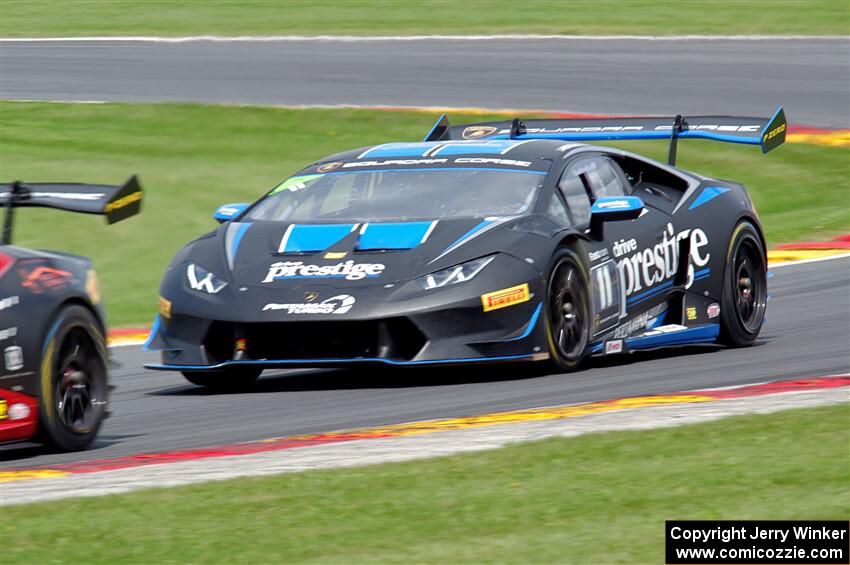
(645,268)
(348,270)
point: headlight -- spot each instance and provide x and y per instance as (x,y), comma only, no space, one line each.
(453,275)
(202,280)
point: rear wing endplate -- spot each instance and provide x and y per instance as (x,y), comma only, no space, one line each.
(116,203)
(768,133)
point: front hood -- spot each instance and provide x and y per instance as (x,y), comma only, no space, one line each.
(284,255)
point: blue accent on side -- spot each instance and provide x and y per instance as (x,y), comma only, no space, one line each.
(649,293)
(708,193)
(310,238)
(437,123)
(419,148)
(698,275)
(421,169)
(154,330)
(468,234)
(529,327)
(405,235)
(489,147)
(597,347)
(699,334)
(613,204)
(277,362)
(237,239)
(701,274)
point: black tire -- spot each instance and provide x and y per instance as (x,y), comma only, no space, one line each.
(744,299)
(225,380)
(568,311)
(73,380)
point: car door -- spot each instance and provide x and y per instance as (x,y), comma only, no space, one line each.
(629,268)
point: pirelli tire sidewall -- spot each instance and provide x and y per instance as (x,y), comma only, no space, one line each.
(568,253)
(51,430)
(733,333)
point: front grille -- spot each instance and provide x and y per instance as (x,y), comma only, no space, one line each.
(393,338)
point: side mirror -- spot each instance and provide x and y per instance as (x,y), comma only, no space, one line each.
(612,209)
(228,212)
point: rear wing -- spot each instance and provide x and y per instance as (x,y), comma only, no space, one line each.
(115,202)
(769,133)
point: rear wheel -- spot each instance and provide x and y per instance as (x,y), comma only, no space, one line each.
(225,380)
(568,311)
(73,381)
(744,288)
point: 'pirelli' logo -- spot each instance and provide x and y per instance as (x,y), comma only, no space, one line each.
(505,297)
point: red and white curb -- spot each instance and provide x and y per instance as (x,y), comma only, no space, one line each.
(410,441)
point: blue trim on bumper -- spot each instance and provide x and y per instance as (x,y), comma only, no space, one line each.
(280,363)
(699,334)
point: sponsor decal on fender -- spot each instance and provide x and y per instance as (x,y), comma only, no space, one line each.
(93,286)
(4,409)
(477,132)
(8,332)
(164,307)
(45,278)
(6,303)
(339,304)
(598,255)
(348,270)
(613,346)
(13,357)
(691,312)
(505,297)
(713,310)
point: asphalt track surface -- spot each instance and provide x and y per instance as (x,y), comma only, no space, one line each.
(808,76)
(806,335)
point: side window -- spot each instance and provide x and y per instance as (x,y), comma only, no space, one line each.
(578,203)
(605,178)
(557,210)
(608,180)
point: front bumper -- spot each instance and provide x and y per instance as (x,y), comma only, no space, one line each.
(451,327)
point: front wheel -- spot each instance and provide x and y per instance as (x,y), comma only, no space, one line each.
(744,299)
(225,380)
(568,311)
(73,381)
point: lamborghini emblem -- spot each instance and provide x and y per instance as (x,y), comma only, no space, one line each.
(477,132)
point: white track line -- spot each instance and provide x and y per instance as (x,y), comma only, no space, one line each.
(405,38)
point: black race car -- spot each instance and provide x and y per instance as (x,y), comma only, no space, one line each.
(53,376)
(485,242)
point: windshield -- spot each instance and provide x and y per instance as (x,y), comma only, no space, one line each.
(400,194)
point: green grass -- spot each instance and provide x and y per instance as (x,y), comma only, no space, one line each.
(600,498)
(192,158)
(40,18)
